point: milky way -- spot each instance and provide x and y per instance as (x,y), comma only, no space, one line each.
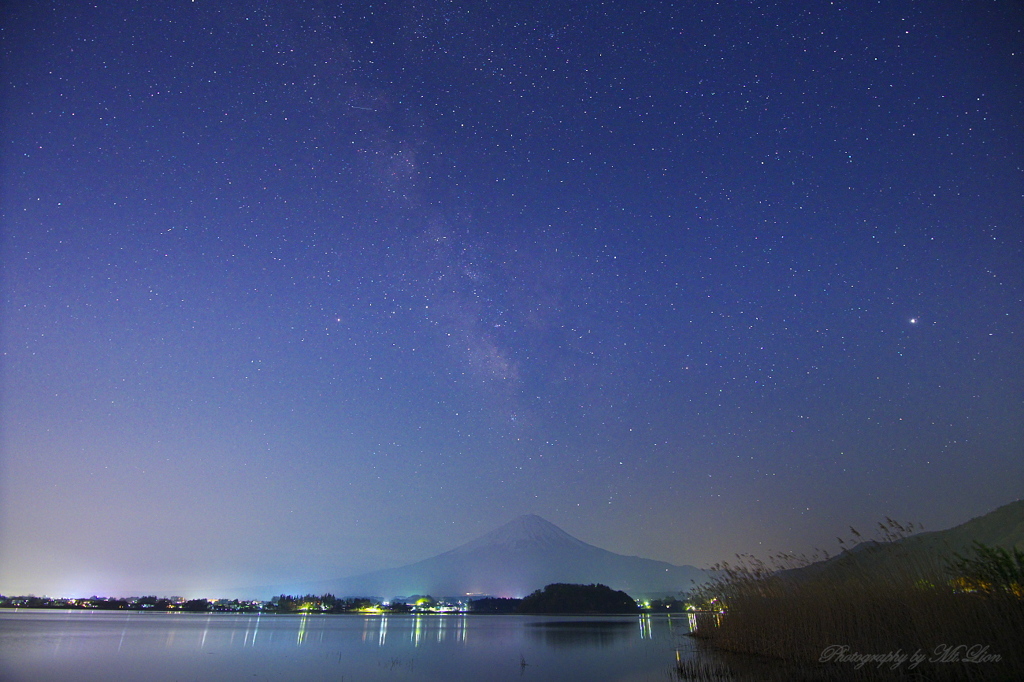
(292,293)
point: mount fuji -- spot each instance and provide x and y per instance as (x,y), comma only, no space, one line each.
(515,559)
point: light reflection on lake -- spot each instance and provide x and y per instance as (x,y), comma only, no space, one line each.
(83,646)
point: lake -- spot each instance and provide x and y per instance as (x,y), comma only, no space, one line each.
(72,646)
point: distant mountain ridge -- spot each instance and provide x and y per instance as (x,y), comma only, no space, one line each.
(513,560)
(1002,527)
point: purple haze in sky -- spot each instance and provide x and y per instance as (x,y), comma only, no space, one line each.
(295,291)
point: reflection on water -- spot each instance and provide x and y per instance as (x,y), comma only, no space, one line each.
(589,633)
(84,646)
(423,628)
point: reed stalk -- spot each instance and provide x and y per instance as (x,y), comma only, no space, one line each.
(818,616)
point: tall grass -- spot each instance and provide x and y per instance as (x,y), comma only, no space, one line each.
(828,615)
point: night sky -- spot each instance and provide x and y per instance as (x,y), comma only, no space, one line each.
(293,291)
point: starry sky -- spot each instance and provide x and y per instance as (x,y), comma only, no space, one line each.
(293,291)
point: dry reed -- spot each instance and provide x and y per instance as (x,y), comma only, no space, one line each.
(827,619)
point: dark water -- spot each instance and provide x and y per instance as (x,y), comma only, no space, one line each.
(74,646)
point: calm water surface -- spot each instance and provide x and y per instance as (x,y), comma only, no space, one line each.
(41,645)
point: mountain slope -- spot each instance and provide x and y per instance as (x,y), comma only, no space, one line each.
(923,552)
(523,555)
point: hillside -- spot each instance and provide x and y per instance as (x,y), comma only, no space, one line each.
(922,552)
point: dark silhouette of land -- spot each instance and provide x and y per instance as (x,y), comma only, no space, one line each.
(563,598)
